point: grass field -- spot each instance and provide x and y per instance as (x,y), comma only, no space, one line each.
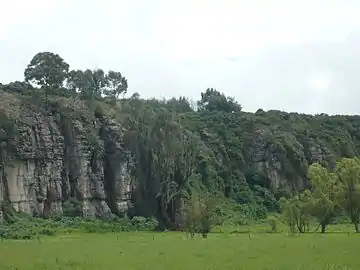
(170,250)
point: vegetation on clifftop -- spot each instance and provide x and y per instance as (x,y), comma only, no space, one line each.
(247,161)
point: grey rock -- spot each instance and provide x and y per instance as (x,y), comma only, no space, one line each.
(67,154)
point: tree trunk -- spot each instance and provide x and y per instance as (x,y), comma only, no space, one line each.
(323,228)
(46,98)
(356,227)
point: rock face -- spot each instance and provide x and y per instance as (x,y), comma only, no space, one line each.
(58,156)
(285,165)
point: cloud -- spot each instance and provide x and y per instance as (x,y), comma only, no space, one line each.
(265,53)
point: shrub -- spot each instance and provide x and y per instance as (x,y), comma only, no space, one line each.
(151,224)
(17,233)
(144,224)
(198,217)
(47,231)
(72,208)
(273,224)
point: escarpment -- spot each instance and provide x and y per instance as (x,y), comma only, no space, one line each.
(51,157)
(96,157)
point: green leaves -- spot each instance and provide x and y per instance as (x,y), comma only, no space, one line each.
(348,172)
(116,84)
(212,100)
(94,83)
(47,69)
(295,212)
(335,191)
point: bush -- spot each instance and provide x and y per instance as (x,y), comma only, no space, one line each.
(151,224)
(198,217)
(144,224)
(25,227)
(16,233)
(47,231)
(18,87)
(72,208)
(273,224)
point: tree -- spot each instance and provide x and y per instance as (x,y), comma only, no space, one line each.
(117,84)
(213,100)
(164,160)
(348,172)
(323,204)
(19,87)
(99,81)
(179,105)
(48,70)
(295,212)
(76,83)
(198,216)
(92,83)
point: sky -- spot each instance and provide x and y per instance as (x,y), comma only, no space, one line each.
(299,56)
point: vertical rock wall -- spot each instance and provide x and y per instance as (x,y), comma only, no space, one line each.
(66,154)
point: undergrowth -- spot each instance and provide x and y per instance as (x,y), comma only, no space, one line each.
(24,227)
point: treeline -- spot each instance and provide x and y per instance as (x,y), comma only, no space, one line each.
(50,72)
(333,193)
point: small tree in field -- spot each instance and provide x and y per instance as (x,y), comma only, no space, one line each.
(197,217)
(323,204)
(295,212)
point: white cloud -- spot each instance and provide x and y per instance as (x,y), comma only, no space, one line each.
(262,52)
(226,28)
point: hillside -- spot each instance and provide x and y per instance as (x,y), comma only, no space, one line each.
(114,157)
(74,153)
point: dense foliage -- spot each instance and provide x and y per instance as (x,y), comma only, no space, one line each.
(247,160)
(333,193)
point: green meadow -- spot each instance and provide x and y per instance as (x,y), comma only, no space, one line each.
(246,248)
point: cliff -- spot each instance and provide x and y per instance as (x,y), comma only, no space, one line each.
(49,157)
(141,157)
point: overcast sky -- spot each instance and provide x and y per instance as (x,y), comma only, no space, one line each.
(281,54)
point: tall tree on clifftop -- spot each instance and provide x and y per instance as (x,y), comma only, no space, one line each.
(92,83)
(213,100)
(117,84)
(48,70)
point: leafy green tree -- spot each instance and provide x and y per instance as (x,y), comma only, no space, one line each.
(99,81)
(348,172)
(76,83)
(295,212)
(48,70)
(164,159)
(116,84)
(213,100)
(179,105)
(323,205)
(198,216)
(19,87)
(93,83)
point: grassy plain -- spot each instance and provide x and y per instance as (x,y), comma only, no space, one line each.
(241,249)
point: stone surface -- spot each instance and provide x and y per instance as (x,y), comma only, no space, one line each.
(66,153)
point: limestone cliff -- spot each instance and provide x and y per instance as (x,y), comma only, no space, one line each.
(59,154)
(284,160)
(77,150)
